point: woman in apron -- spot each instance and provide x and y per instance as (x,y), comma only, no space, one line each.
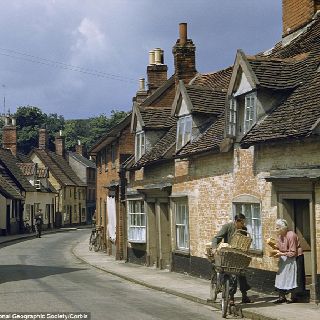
(288,249)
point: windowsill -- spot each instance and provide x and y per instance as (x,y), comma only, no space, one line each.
(137,241)
(182,252)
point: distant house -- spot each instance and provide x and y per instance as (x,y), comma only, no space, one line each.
(85,169)
(71,198)
(32,192)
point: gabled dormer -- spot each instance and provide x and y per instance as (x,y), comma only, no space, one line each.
(137,127)
(241,98)
(181,109)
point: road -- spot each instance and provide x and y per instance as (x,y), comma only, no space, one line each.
(43,275)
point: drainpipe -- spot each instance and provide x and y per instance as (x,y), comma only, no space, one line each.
(314,290)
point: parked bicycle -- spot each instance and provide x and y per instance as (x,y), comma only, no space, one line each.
(96,240)
(27,228)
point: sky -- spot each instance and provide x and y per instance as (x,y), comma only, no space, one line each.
(84,58)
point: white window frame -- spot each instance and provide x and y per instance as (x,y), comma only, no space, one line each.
(184,130)
(252,212)
(137,221)
(232,127)
(182,224)
(249,111)
(140,144)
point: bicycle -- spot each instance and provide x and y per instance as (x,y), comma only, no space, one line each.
(227,264)
(96,240)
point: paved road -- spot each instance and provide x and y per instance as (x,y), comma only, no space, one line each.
(43,275)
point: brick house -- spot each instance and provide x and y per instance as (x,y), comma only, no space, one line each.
(110,152)
(70,200)
(245,140)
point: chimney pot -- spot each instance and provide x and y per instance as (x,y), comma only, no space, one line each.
(157,56)
(142,84)
(183,33)
(151,57)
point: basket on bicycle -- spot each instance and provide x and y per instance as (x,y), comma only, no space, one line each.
(241,240)
(230,260)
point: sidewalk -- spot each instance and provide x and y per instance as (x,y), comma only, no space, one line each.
(181,285)
(192,288)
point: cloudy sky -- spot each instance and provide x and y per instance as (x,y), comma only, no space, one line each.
(82,58)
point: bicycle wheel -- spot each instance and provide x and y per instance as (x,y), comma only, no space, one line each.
(213,287)
(91,242)
(225,296)
(97,243)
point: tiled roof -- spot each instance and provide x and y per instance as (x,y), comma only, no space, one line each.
(155,118)
(206,100)
(28,169)
(86,162)
(10,162)
(209,140)
(214,80)
(7,185)
(163,149)
(59,168)
(278,73)
(299,114)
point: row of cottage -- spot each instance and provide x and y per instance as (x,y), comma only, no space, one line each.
(58,185)
(199,148)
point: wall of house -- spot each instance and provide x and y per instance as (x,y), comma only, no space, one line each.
(78,168)
(3,214)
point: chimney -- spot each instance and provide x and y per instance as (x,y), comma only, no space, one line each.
(9,134)
(60,144)
(79,148)
(142,93)
(184,56)
(297,13)
(156,70)
(43,139)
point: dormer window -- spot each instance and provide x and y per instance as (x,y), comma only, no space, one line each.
(250,111)
(140,144)
(241,114)
(184,129)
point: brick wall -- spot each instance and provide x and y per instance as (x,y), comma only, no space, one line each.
(296,13)
(9,138)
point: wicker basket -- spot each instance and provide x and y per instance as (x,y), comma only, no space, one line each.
(231,260)
(240,241)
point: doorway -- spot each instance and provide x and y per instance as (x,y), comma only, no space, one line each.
(297,214)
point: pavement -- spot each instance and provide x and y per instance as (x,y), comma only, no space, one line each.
(183,285)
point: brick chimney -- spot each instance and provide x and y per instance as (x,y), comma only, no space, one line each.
(156,70)
(142,93)
(297,13)
(43,139)
(79,148)
(184,56)
(9,134)
(60,144)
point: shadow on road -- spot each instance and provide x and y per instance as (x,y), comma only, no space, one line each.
(19,272)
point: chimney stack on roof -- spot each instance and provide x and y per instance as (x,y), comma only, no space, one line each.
(156,70)
(297,13)
(79,148)
(184,56)
(43,139)
(9,134)
(60,144)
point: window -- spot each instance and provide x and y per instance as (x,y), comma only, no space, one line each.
(249,112)
(182,225)
(136,221)
(232,117)
(140,144)
(253,222)
(184,131)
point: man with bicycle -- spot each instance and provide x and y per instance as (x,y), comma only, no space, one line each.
(226,233)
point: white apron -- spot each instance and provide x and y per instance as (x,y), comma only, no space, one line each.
(286,278)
